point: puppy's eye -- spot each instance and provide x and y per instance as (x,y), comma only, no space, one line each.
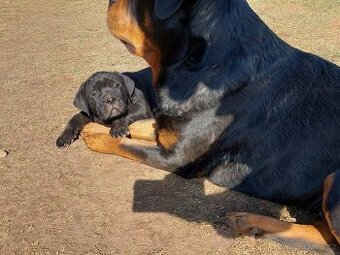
(116,85)
(94,93)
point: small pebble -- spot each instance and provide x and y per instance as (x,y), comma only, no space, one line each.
(3,153)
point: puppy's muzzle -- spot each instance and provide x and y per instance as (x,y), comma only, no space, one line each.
(109,99)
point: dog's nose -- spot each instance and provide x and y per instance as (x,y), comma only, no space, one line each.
(109,100)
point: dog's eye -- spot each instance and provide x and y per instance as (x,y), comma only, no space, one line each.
(112,2)
(94,93)
(116,85)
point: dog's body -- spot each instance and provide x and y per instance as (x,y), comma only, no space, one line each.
(238,105)
(111,98)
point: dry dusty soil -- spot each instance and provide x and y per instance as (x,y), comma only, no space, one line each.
(74,201)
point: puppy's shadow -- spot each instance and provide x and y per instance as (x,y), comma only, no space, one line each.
(186,199)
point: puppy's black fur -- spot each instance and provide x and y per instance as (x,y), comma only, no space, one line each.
(111,98)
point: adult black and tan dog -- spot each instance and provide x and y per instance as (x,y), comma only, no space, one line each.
(238,105)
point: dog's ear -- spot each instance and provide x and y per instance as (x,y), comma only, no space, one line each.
(80,100)
(166,8)
(129,84)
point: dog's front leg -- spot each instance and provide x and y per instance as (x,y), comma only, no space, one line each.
(97,138)
(142,130)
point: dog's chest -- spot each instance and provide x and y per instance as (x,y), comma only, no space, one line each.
(193,133)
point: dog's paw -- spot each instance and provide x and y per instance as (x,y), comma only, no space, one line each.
(120,131)
(65,140)
(244,223)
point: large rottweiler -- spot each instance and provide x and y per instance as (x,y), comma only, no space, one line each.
(236,104)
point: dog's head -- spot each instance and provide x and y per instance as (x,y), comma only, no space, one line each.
(152,29)
(105,95)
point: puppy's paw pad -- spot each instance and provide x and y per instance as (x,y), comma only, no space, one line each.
(64,141)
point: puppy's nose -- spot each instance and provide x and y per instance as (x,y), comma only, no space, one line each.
(109,100)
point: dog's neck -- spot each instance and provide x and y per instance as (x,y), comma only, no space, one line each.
(235,55)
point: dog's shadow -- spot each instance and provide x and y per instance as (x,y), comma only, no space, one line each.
(186,199)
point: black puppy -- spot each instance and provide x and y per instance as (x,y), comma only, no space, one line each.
(111,98)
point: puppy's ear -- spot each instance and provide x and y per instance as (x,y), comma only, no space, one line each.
(80,100)
(166,8)
(129,84)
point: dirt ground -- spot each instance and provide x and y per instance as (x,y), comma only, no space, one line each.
(74,201)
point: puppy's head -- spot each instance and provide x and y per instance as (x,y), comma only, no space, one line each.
(105,95)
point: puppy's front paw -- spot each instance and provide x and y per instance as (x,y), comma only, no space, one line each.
(65,140)
(121,130)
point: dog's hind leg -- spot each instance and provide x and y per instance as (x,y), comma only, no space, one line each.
(284,232)
(331,203)
(321,233)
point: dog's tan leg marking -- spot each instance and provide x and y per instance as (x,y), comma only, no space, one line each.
(263,226)
(167,138)
(97,138)
(104,143)
(141,130)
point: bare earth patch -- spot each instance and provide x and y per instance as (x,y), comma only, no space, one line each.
(74,201)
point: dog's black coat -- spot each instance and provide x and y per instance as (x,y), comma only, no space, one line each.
(252,113)
(113,99)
